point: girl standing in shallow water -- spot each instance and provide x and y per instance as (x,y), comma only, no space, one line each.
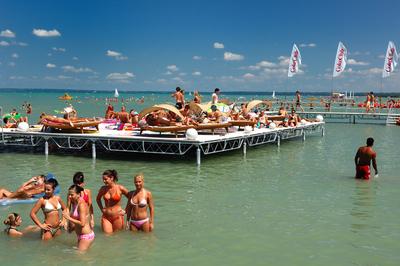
(136,208)
(51,205)
(113,215)
(80,216)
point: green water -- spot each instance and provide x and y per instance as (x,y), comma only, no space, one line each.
(297,204)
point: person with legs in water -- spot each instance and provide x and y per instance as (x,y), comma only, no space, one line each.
(80,217)
(113,215)
(364,156)
(50,205)
(139,201)
(86,195)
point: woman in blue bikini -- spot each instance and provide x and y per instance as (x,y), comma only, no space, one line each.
(51,205)
(136,209)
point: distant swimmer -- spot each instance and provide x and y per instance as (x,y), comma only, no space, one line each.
(363,158)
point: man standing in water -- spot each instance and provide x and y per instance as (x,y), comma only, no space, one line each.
(363,159)
(214,96)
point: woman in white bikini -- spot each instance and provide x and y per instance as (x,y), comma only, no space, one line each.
(51,205)
(139,201)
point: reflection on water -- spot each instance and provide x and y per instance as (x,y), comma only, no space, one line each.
(364,201)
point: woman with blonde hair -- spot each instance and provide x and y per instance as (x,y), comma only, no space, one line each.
(139,201)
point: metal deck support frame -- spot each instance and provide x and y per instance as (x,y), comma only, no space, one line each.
(207,144)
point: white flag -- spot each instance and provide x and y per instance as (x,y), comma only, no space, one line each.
(390,60)
(340,60)
(294,62)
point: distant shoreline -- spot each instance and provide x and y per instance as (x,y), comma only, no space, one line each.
(268,93)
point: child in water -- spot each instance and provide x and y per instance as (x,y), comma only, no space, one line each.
(13,221)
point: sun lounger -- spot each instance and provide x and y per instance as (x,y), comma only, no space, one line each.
(212,126)
(243,123)
(161,129)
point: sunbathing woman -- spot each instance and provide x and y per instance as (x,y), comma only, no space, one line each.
(80,217)
(136,208)
(50,204)
(86,195)
(113,215)
(33,186)
(13,221)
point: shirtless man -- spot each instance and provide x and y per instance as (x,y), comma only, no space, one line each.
(123,116)
(298,101)
(179,98)
(363,159)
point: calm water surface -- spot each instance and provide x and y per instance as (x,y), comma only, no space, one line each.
(293,205)
(297,204)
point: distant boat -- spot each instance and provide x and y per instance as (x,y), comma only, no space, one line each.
(116,94)
(273,95)
(65,97)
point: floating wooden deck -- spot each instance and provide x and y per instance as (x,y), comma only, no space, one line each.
(163,143)
(354,117)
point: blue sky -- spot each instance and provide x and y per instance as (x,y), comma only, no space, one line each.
(158,45)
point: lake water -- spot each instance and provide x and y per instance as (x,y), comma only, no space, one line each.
(297,204)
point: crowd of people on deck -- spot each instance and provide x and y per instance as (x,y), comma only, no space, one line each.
(77,214)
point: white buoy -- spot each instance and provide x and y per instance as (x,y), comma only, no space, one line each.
(272,125)
(23,127)
(191,134)
(319,118)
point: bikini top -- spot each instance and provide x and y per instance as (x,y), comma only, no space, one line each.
(75,213)
(48,207)
(85,197)
(142,203)
(114,197)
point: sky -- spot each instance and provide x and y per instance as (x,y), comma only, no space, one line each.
(159,45)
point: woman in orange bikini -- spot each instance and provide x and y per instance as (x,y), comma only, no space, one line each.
(136,208)
(113,215)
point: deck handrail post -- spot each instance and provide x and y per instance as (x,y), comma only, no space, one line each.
(244,147)
(93,149)
(278,141)
(198,156)
(46,148)
(2,128)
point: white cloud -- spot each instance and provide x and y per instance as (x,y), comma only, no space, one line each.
(22,44)
(120,77)
(76,70)
(75,58)
(168,73)
(381,56)
(283,60)
(373,70)
(196,57)
(161,80)
(178,79)
(248,76)
(356,63)
(16,77)
(172,68)
(46,33)
(118,56)
(49,54)
(218,45)
(310,45)
(14,55)
(49,65)
(265,63)
(59,49)
(12,64)
(196,73)
(228,56)
(7,34)
(4,43)
(64,77)
(182,74)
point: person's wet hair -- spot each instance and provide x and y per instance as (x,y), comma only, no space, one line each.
(53,182)
(78,178)
(216,90)
(370,141)
(112,173)
(11,218)
(76,188)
